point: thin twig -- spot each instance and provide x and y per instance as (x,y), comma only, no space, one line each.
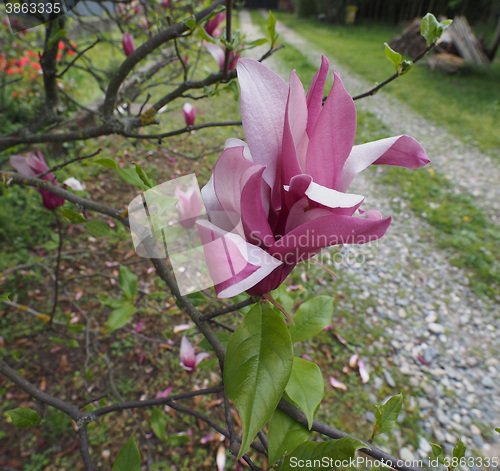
(228,309)
(394,76)
(64,164)
(80,54)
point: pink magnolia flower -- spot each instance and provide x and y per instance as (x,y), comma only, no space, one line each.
(128,44)
(190,113)
(280,198)
(189,205)
(31,166)
(212,26)
(190,360)
(219,55)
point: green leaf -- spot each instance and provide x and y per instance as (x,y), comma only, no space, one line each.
(72,216)
(129,458)
(497,430)
(271,29)
(24,417)
(108,163)
(256,43)
(258,364)
(459,450)
(306,387)
(387,415)
(127,280)
(311,318)
(72,343)
(128,175)
(97,228)
(143,176)
(285,434)
(431,29)
(394,57)
(4,297)
(190,22)
(437,452)
(406,66)
(121,316)
(159,423)
(342,449)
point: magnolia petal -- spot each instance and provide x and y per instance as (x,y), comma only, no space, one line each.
(74,184)
(181,328)
(264,96)
(402,151)
(332,198)
(253,212)
(187,352)
(315,94)
(231,173)
(221,458)
(200,357)
(294,128)
(333,137)
(216,52)
(21,164)
(363,373)
(233,142)
(337,384)
(300,243)
(234,264)
(165,393)
(353,361)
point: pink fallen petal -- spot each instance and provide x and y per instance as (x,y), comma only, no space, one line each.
(165,393)
(337,384)
(365,377)
(181,328)
(328,328)
(353,361)
(307,357)
(207,438)
(140,324)
(221,458)
(341,339)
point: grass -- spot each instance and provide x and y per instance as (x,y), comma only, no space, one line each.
(468,102)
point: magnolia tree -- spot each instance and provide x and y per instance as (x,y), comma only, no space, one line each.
(274,200)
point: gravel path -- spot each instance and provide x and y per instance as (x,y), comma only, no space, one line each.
(443,337)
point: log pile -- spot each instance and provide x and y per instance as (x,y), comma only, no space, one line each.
(457,46)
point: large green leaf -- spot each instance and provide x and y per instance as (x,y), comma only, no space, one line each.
(332,454)
(127,280)
(24,417)
(97,228)
(285,434)
(387,415)
(311,318)
(120,316)
(257,367)
(306,387)
(129,458)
